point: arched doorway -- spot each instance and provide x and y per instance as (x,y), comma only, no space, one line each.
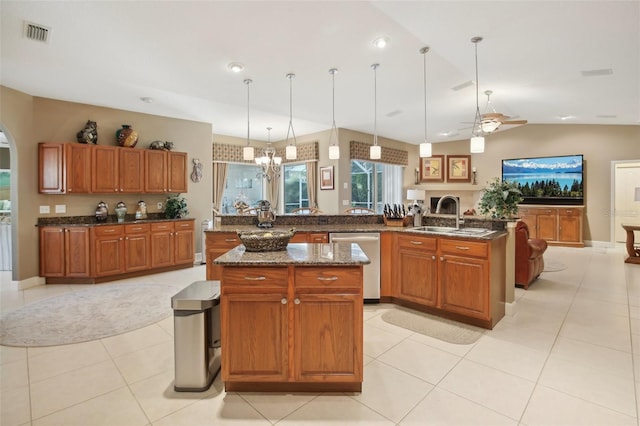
(8,206)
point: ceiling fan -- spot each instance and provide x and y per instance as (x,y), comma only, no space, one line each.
(490,121)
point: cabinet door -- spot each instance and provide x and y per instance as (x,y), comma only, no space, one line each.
(417,270)
(51,168)
(255,330)
(547,226)
(465,286)
(183,242)
(217,244)
(52,251)
(108,250)
(78,168)
(131,170)
(162,244)
(155,177)
(76,249)
(177,172)
(528,216)
(570,226)
(105,173)
(137,247)
(328,337)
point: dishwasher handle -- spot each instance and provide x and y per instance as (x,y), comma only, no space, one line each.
(353,239)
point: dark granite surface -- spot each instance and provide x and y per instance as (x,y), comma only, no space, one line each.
(337,254)
(111,220)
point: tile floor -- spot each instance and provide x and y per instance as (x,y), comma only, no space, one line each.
(570,356)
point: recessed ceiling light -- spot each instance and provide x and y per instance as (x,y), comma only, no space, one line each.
(595,73)
(235,67)
(381,42)
(146,99)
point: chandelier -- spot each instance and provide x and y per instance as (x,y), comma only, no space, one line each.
(269,163)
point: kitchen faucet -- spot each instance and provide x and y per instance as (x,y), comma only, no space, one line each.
(455,200)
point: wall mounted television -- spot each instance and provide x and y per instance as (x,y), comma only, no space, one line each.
(547,180)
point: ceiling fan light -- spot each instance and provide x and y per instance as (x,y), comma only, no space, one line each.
(247,153)
(334,152)
(490,125)
(477,145)
(291,152)
(425,150)
(375,152)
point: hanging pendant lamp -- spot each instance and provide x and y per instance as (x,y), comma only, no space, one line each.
(334,149)
(247,151)
(291,151)
(375,151)
(425,147)
(477,138)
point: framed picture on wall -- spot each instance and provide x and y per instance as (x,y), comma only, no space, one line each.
(326,177)
(432,169)
(458,168)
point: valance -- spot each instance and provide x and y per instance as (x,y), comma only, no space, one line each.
(223,153)
(360,151)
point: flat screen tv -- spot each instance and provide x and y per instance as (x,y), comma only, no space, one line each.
(547,180)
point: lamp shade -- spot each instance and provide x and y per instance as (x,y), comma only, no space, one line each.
(425,150)
(334,152)
(291,152)
(247,153)
(416,194)
(477,144)
(637,196)
(375,152)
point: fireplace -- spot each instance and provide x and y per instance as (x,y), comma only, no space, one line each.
(447,207)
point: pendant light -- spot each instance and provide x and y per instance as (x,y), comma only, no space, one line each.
(477,138)
(334,149)
(375,152)
(247,151)
(291,151)
(425,147)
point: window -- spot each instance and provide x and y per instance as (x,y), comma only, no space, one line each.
(295,187)
(242,184)
(375,184)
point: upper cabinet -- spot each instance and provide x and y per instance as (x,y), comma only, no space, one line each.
(66,168)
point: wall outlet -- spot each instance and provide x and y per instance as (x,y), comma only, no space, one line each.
(159,205)
(44,210)
(61,208)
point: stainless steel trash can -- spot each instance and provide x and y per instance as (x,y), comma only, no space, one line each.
(196,323)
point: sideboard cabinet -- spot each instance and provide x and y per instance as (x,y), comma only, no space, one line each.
(558,225)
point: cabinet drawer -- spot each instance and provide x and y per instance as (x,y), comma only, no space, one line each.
(223,240)
(317,276)
(137,228)
(466,248)
(254,276)
(417,242)
(569,212)
(183,225)
(105,231)
(162,226)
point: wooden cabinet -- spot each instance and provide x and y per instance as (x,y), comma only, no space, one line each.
(417,269)
(78,168)
(183,249)
(64,168)
(132,170)
(108,250)
(176,172)
(166,171)
(292,328)
(64,252)
(217,244)
(558,225)
(310,237)
(137,247)
(105,177)
(162,248)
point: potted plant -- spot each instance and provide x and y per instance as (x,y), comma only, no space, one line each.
(500,199)
(176,207)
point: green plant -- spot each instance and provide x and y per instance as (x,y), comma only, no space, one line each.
(176,207)
(500,199)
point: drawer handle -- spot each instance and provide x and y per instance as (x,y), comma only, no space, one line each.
(296,301)
(255,278)
(136,229)
(462,248)
(109,230)
(230,240)
(283,301)
(418,243)
(334,278)
(433,258)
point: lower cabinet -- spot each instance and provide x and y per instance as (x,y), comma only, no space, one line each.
(107,243)
(64,252)
(292,328)
(418,269)
(558,225)
(217,244)
(137,247)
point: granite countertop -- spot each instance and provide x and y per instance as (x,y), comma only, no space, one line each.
(338,254)
(111,220)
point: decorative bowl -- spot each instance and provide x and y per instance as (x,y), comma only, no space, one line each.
(266,240)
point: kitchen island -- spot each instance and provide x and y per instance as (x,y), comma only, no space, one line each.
(291,320)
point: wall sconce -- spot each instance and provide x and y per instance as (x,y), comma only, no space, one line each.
(474,171)
(417,176)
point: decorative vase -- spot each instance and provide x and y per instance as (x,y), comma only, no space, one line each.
(127,136)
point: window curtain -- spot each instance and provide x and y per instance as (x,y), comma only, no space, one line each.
(273,191)
(219,180)
(312,183)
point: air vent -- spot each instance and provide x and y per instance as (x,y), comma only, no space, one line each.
(595,73)
(36,32)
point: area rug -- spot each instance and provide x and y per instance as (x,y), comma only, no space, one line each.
(553,266)
(433,326)
(94,313)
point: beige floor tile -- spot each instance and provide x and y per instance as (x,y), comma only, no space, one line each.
(63,359)
(452,348)
(509,357)
(68,389)
(136,340)
(529,337)
(441,407)
(167,325)
(10,354)
(147,362)
(549,407)
(117,408)
(612,331)
(419,360)
(505,393)
(15,408)
(275,406)
(219,411)
(587,355)
(391,392)
(334,410)
(378,322)
(41,292)
(14,374)
(378,341)
(607,390)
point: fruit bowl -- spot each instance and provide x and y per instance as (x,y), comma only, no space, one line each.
(266,240)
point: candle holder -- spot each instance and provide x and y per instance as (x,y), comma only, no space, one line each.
(473,176)
(417,176)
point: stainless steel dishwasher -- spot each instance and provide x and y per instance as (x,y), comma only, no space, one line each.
(369,242)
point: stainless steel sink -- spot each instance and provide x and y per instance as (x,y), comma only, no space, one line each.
(445,230)
(434,229)
(476,232)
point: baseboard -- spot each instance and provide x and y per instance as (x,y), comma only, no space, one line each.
(30,282)
(510,309)
(197,259)
(599,244)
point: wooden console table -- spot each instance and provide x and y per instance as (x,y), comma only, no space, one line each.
(634,252)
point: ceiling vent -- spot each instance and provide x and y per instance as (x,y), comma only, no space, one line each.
(595,73)
(36,32)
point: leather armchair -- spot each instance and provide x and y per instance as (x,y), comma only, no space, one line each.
(529,256)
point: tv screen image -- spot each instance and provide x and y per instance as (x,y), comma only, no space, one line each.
(547,180)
